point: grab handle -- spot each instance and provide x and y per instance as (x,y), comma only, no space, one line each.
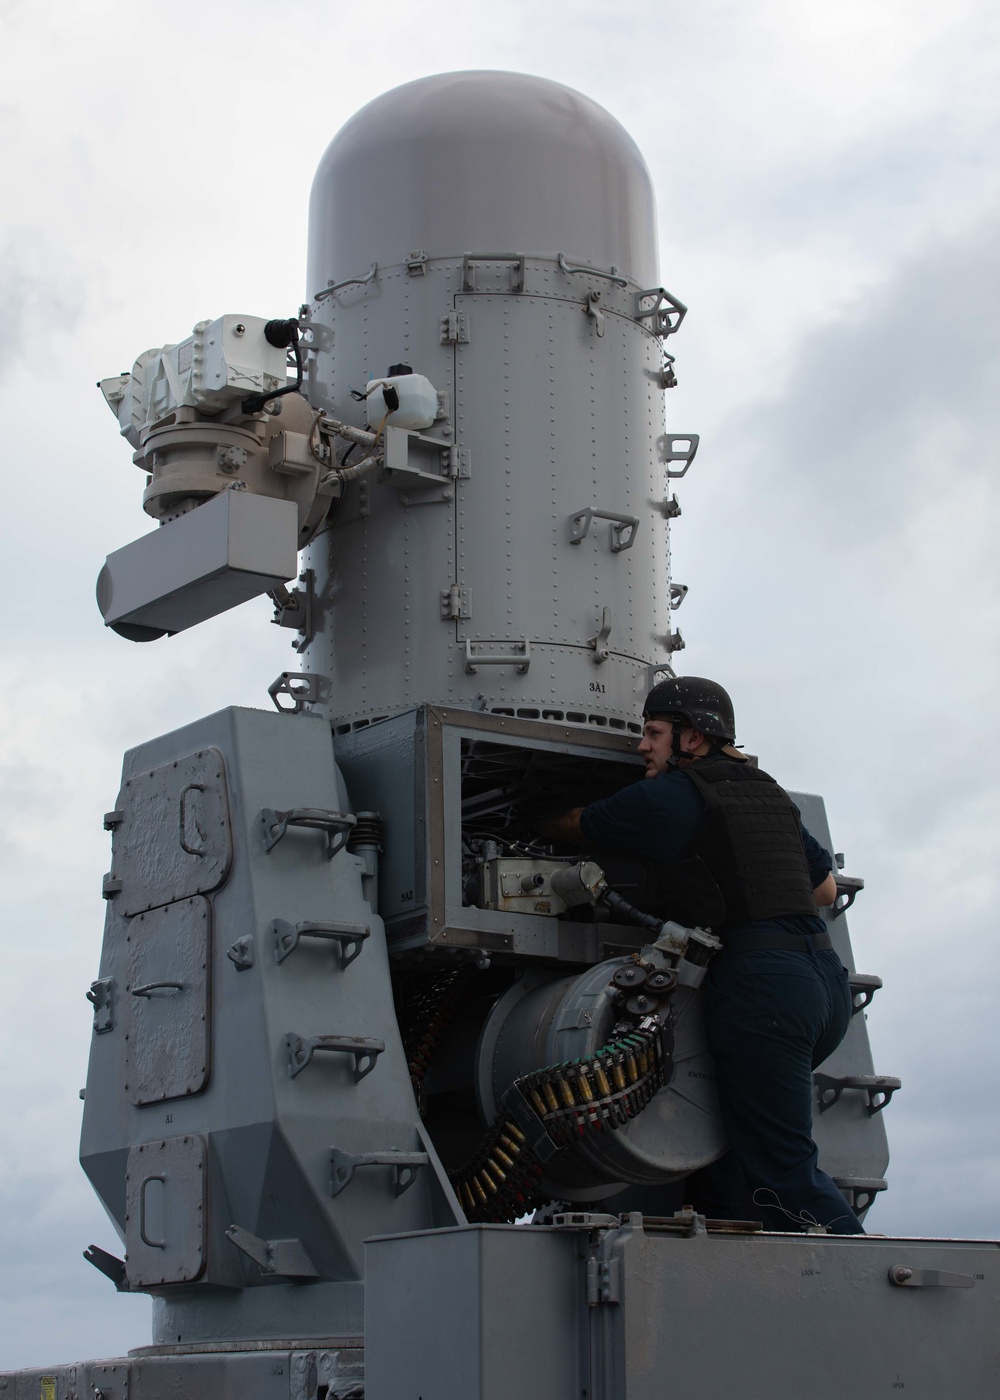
(153,1244)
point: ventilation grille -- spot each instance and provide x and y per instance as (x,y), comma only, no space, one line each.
(526,712)
(569,717)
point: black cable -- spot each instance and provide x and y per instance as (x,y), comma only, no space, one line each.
(628,911)
(280,334)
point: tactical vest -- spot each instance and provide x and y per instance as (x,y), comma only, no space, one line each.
(747,861)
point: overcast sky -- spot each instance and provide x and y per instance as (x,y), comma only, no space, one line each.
(827,179)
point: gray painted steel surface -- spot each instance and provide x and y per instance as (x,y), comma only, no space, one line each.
(498,593)
(168,1004)
(504,576)
(238,544)
(441,159)
(200,1054)
(647,1310)
(283,1373)
(851,1140)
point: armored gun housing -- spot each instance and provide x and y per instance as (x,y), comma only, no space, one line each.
(354,1019)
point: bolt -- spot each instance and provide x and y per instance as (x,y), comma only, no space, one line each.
(901,1273)
(232,458)
(239,328)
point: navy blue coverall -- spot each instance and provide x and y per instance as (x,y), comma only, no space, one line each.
(770,1018)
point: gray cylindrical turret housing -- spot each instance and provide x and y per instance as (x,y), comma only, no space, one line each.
(494,232)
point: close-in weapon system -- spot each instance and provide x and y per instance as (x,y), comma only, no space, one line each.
(389,1095)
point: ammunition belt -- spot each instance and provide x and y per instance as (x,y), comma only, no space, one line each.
(426,1012)
(502,1180)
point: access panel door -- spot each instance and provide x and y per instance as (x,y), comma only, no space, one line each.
(168,1002)
(561,528)
(165,1195)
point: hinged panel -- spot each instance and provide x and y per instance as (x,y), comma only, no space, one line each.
(568,540)
(165,1211)
(174,838)
(167,1003)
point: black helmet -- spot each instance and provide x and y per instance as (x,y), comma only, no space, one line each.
(701,703)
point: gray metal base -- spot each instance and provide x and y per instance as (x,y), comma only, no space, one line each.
(636,1309)
(649,1310)
(228,1373)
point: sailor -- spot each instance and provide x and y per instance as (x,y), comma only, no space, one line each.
(723,847)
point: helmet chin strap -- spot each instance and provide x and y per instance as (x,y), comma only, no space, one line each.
(676,752)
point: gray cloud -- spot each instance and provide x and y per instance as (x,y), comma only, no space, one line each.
(31,263)
(887,399)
